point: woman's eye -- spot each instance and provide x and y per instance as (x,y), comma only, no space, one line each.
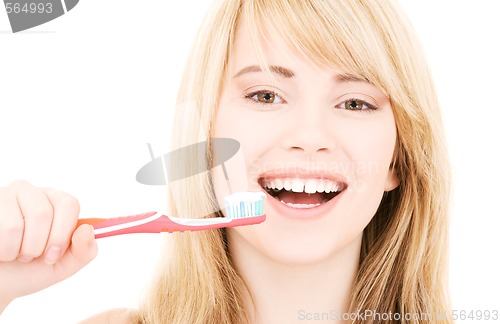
(356,104)
(265,97)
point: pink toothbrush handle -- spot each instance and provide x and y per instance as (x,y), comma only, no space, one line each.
(152,222)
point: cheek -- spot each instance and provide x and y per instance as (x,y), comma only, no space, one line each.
(370,149)
(233,122)
(251,129)
(257,132)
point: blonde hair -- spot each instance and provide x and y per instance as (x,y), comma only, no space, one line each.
(403,260)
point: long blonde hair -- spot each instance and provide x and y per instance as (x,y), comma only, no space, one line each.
(403,260)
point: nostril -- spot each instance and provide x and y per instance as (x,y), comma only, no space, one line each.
(298,148)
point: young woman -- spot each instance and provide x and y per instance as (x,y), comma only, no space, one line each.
(338,123)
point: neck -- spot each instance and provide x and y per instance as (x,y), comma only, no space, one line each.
(294,293)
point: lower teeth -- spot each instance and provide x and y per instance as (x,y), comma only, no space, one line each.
(300,205)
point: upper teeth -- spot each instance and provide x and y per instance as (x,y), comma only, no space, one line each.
(303,185)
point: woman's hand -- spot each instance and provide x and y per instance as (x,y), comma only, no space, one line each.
(39,245)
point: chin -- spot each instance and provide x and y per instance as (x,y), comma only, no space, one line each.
(308,245)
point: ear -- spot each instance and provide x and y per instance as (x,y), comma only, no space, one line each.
(392,180)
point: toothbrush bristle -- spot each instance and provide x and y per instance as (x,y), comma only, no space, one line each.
(244,204)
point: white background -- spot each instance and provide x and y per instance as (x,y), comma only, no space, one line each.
(81,96)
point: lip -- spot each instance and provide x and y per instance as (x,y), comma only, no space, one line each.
(304,213)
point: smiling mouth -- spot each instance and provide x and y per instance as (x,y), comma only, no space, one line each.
(302,193)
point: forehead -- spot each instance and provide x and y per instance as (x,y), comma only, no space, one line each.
(248,47)
(265,46)
(269,50)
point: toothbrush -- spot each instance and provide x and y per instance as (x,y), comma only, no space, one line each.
(242,208)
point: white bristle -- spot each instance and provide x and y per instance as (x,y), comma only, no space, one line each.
(244,204)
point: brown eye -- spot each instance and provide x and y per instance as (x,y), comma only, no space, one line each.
(357,105)
(354,104)
(266,97)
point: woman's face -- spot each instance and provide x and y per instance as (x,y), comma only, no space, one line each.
(317,141)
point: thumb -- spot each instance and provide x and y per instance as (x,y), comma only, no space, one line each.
(82,250)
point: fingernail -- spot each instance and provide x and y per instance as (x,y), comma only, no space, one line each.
(24,259)
(52,254)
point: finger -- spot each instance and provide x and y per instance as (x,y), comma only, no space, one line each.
(66,211)
(37,213)
(11,226)
(82,250)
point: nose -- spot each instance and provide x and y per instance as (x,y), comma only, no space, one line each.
(310,132)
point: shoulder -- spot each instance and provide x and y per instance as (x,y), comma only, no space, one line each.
(114,316)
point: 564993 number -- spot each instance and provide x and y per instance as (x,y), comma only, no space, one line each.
(15,7)
(475,315)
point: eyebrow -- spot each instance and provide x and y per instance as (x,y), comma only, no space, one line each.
(281,71)
(349,77)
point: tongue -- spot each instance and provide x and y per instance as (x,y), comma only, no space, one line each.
(300,197)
